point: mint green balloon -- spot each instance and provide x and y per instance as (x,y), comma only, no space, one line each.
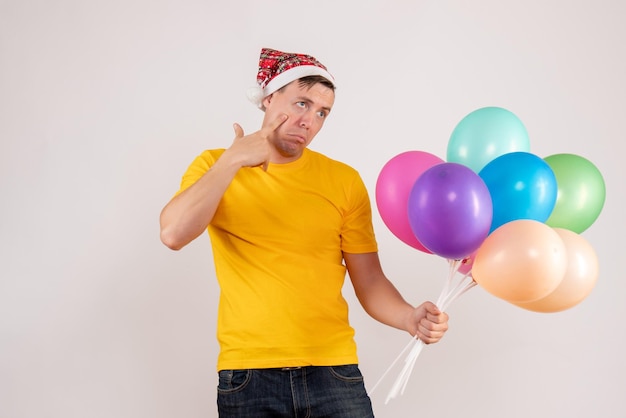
(581,192)
(485,134)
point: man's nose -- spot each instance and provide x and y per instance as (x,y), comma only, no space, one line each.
(305,120)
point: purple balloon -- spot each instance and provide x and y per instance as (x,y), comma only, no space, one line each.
(450,210)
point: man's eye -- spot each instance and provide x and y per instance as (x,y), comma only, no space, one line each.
(322,114)
(301,104)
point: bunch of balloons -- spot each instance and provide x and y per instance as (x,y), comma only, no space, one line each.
(501,215)
(504,218)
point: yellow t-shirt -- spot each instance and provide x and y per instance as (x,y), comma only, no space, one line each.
(277,239)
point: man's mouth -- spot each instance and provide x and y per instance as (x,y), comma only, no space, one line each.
(298,138)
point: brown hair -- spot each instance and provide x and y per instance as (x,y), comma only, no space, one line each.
(311,80)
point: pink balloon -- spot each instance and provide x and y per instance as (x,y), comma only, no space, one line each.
(467,263)
(393,187)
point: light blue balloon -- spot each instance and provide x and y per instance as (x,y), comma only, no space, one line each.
(485,134)
(522,186)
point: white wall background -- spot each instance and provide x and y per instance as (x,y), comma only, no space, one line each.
(104,103)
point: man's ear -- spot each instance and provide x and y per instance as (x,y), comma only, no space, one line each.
(267,100)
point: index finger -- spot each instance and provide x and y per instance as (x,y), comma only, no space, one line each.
(273,125)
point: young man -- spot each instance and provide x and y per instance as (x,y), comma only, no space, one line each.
(286,223)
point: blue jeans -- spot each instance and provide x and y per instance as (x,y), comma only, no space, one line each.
(294,392)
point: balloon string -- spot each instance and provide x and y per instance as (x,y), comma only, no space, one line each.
(462,286)
(393,364)
(417,348)
(459,290)
(403,378)
(453,268)
(449,293)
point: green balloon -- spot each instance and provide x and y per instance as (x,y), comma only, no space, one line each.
(580,192)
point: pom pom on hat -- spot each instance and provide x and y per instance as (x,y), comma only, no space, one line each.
(277,69)
(255,95)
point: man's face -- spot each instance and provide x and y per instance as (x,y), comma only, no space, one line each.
(306,108)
